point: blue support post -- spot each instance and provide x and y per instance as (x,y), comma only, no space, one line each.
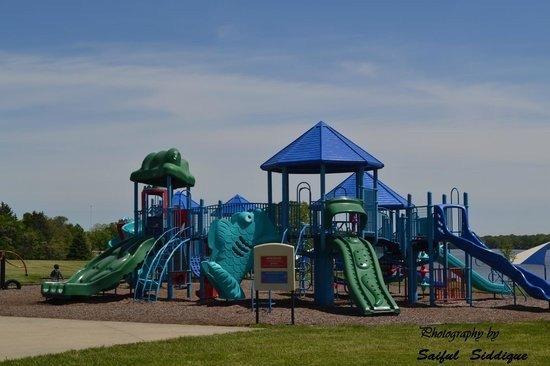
(270,196)
(323,277)
(468,262)
(401,233)
(188,246)
(202,248)
(359,175)
(170,286)
(431,251)
(375,205)
(445,261)
(392,225)
(285,214)
(136,208)
(411,258)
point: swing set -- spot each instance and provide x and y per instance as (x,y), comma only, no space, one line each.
(4,262)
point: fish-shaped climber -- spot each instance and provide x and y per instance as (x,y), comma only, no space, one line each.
(231,242)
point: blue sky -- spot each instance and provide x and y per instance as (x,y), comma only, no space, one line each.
(444,93)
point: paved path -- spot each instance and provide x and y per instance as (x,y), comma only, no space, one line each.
(23,337)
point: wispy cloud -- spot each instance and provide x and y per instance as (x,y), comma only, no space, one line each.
(82,123)
(361,68)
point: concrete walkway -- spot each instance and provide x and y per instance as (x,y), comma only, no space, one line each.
(23,337)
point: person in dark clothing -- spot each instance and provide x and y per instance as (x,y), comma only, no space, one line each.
(56,274)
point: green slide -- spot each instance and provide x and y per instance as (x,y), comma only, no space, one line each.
(478,281)
(364,276)
(102,273)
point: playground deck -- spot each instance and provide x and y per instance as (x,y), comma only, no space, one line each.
(29,303)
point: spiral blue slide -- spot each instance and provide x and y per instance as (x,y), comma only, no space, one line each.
(533,285)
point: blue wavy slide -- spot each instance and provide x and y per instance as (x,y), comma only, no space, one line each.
(533,285)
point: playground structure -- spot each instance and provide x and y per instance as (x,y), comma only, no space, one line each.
(178,243)
(6,284)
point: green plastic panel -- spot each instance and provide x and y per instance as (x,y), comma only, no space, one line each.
(343,205)
(102,273)
(364,276)
(157,166)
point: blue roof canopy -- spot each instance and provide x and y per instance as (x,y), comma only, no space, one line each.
(179,199)
(387,197)
(237,199)
(235,204)
(319,145)
(536,255)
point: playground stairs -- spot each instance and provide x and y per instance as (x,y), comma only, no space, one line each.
(155,269)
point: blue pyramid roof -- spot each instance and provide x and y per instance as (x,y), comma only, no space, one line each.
(387,197)
(321,144)
(237,199)
(235,204)
(180,199)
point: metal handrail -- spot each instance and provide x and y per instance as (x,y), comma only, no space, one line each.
(283,237)
(183,241)
(300,243)
(154,261)
(149,252)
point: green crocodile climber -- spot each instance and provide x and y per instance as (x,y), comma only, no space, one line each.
(231,241)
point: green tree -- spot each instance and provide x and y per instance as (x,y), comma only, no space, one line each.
(100,234)
(507,249)
(516,241)
(30,245)
(10,229)
(79,247)
(38,222)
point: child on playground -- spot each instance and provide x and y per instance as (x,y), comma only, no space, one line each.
(56,274)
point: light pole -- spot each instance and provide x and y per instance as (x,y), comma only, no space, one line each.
(91,209)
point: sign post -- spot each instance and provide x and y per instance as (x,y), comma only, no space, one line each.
(274,271)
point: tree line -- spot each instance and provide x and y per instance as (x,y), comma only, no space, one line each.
(515,241)
(37,236)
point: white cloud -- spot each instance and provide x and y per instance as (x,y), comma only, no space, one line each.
(362,68)
(82,124)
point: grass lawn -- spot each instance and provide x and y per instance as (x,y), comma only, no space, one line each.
(315,345)
(38,269)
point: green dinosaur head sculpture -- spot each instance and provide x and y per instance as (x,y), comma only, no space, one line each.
(157,166)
